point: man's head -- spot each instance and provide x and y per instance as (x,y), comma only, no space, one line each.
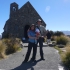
(39,21)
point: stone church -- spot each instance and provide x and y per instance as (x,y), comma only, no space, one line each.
(20,20)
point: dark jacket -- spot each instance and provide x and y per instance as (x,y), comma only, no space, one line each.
(48,35)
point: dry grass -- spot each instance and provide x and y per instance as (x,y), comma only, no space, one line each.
(54,38)
(2,49)
(62,39)
(16,47)
(13,45)
(9,46)
(65,55)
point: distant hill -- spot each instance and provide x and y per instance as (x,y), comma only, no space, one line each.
(66,32)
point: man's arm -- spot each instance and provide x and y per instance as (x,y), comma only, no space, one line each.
(44,31)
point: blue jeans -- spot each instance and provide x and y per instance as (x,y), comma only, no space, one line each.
(30,46)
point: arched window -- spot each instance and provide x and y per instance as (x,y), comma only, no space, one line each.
(14,9)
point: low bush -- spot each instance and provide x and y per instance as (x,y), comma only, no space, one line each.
(66,57)
(65,54)
(53,38)
(13,45)
(58,33)
(2,49)
(62,40)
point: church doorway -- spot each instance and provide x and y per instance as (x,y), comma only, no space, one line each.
(25,31)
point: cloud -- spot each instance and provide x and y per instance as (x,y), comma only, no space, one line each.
(66,0)
(47,8)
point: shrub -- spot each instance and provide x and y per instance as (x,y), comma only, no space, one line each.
(58,33)
(16,47)
(2,49)
(62,40)
(65,54)
(13,44)
(53,38)
(66,58)
(52,33)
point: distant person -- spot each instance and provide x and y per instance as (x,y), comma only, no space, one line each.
(42,31)
(32,44)
(48,37)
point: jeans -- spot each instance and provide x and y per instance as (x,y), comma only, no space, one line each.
(30,46)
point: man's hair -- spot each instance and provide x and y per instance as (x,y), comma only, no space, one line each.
(39,20)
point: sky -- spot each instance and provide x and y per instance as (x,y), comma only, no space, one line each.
(55,13)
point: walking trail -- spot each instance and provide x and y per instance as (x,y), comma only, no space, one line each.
(14,61)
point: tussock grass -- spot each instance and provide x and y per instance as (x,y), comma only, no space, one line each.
(65,55)
(2,49)
(9,46)
(13,45)
(53,38)
(62,39)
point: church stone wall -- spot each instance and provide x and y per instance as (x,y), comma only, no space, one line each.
(15,25)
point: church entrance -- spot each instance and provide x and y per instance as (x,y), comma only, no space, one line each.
(25,31)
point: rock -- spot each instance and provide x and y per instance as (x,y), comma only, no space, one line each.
(61,46)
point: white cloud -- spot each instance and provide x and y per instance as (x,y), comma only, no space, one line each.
(47,8)
(66,0)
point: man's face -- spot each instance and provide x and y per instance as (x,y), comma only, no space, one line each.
(39,22)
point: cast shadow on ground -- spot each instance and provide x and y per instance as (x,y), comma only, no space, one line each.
(28,65)
(64,67)
(39,46)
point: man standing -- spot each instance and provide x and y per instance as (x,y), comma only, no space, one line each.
(41,36)
(48,37)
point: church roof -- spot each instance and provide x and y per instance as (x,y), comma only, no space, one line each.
(29,5)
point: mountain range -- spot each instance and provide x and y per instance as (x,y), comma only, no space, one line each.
(66,32)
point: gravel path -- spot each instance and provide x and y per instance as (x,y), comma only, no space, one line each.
(14,61)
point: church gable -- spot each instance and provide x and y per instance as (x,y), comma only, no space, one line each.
(28,11)
(20,20)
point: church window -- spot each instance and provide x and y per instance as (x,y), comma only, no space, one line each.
(14,9)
